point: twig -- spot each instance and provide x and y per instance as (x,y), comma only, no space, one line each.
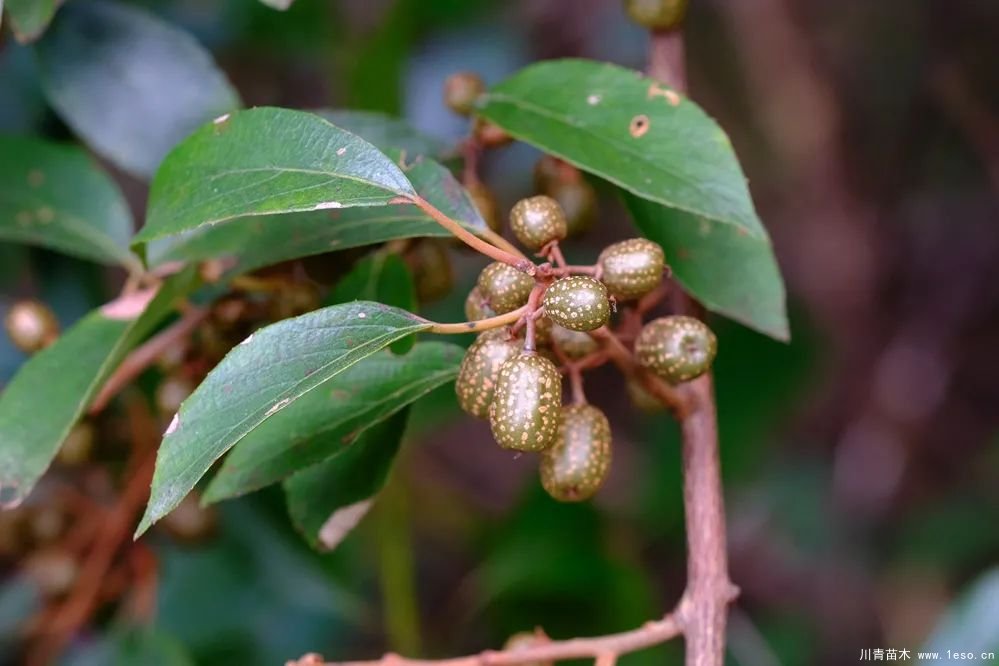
(623,359)
(144,356)
(480,325)
(533,302)
(649,634)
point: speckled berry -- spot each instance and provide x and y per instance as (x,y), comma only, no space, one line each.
(480,368)
(656,14)
(485,202)
(575,467)
(537,221)
(476,306)
(574,344)
(543,327)
(31,326)
(525,411)
(578,303)
(523,640)
(641,398)
(632,268)
(676,348)
(461,89)
(504,287)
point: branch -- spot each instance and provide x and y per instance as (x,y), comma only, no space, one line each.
(649,634)
(479,325)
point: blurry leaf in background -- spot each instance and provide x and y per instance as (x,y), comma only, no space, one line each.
(327,500)
(125,646)
(388,133)
(324,422)
(129,84)
(262,240)
(383,278)
(278,4)
(55,196)
(50,392)
(255,594)
(971,624)
(24,105)
(266,160)
(660,146)
(29,18)
(261,377)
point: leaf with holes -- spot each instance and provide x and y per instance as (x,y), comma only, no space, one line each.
(53,195)
(662,148)
(50,392)
(128,83)
(327,500)
(264,375)
(330,419)
(29,18)
(266,161)
(259,241)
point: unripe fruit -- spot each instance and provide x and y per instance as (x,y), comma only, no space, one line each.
(476,306)
(524,414)
(31,326)
(575,467)
(433,276)
(543,327)
(479,372)
(574,344)
(632,268)
(191,523)
(461,89)
(78,446)
(523,640)
(171,393)
(537,221)
(578,202)
(504,287)
(676,348)
(656,14)
(641,398)
(578,303)
(485,203)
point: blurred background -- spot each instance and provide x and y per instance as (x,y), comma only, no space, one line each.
(861,460)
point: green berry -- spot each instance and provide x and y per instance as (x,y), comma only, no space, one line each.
(578,303)
(78,446)
(676,348)
(504,287)
(574,344)
(31,326)
(191,523)
(476,306)
(524,414)
(575,467)
(641,398)
(656,14)
(432,274)
(523,640)
(480,369)
(537,221)
(632,268)
(543,328)
(485,202)
(565,184)
(461,89)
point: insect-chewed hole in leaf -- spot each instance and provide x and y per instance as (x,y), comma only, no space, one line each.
(639,126)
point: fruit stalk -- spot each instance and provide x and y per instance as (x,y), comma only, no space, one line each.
(480,325)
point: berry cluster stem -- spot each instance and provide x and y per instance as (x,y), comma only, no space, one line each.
(480,325)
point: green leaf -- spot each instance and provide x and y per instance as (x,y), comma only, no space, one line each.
(327,500)
(263,376)
(46,398)
(383,278)
(325,422)
(971,624)
(259,241)
(388,133)
(54,196)
(265,161)
(730,271)
(660,147)
(128,83)
(29,18)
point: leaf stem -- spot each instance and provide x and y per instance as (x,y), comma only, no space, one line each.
(510,256)
(479,325)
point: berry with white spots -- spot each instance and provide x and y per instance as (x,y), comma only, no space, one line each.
(574,344)
(476,306)
(525,411)
(641,398)
(676,348)
(575,467)
(480,368)
(504,287)
(579,303)
(632,268)
(537,221)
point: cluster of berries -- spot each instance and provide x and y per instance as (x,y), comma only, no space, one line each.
(511,379)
